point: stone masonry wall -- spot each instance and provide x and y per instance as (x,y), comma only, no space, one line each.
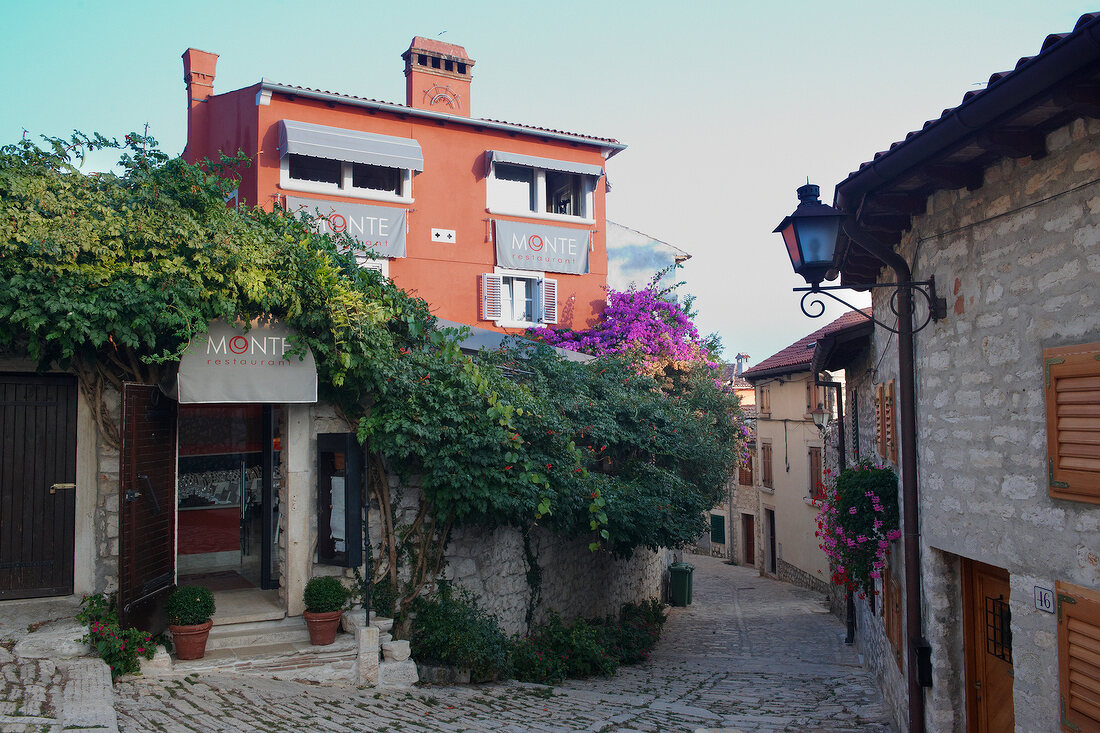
(877,650)
(1019,262)
(576,582)
(105,520)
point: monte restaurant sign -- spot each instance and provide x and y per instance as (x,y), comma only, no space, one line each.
(528,246)
(380,229)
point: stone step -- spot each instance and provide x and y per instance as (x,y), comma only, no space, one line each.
(290,630)
(298,661)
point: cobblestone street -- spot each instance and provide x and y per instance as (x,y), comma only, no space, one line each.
(750,654)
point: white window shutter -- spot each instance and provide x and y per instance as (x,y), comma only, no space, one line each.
(549,301)
(490,296)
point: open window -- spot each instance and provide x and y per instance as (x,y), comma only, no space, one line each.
(525,185)
(518,299)
(339,500)
(321,159)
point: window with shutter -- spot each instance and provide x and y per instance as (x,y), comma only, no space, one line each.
(880,427)
(1078,657)
(891,612)
(766,464)
(549,301)
(765,400)
(890,423)
(1072,386)
(816,487)
(490,297)
(717,529)
(745,473)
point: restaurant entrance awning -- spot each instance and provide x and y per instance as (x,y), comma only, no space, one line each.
(228,365)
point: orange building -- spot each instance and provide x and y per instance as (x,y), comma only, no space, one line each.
(495,224)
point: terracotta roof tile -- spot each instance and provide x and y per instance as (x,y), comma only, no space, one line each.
(458,118)
(797,356)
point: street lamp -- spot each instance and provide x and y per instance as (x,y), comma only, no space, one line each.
(820,416)
(810,234)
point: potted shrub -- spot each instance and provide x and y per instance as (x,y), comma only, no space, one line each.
(189,609)
(325,597)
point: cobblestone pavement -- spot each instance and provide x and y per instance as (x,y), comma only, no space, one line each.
(750,654)
(28,691)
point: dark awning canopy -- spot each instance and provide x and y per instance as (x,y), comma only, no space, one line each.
(335,143)
(531,161)
(228,365)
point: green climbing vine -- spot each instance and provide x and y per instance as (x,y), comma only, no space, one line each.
(113,274)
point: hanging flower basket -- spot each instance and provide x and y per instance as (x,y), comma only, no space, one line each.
(857,520)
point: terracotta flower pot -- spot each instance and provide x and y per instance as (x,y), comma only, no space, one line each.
(190,640)
(322,627)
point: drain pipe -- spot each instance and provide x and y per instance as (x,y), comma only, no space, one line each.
(918,657)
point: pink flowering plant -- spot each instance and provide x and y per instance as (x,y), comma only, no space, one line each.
(857,520)
(648,324)
(121,648)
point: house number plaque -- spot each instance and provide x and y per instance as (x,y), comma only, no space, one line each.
(1044,599)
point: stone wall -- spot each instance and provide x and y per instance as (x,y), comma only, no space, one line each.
(791,574)
(105,519)
(1019,262)
(576,582)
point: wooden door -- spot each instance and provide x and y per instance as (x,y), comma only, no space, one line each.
(988,648)
(147,506)
(748,533)
(37,485)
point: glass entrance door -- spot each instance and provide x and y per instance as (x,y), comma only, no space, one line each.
(228,472)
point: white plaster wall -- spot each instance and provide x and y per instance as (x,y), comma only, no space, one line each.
(795,516)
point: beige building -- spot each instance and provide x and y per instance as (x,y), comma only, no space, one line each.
(790,453)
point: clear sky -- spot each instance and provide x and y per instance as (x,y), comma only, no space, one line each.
(727,107)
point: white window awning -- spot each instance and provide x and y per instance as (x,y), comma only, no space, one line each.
(352,146)
(531,161)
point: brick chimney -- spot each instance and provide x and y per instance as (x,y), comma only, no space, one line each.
(198,75)
(437,77)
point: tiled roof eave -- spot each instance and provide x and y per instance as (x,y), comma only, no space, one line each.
(609,145)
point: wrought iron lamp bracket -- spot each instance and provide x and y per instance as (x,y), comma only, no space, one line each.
(937,306)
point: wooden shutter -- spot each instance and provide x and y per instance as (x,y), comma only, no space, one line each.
(717,529)
(1072,385)
(880,426)
(491,286)
(765,399)
(766,464)
(815,471)
(890,422)
(549,301)
(745,473)
(811,395)
(891,613)
(1078,657)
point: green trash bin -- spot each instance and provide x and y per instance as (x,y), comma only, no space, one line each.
(679,584)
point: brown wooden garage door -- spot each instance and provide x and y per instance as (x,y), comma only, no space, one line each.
(37,484)
(147,506)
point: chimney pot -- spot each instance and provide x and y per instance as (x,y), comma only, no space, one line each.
(437,76)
